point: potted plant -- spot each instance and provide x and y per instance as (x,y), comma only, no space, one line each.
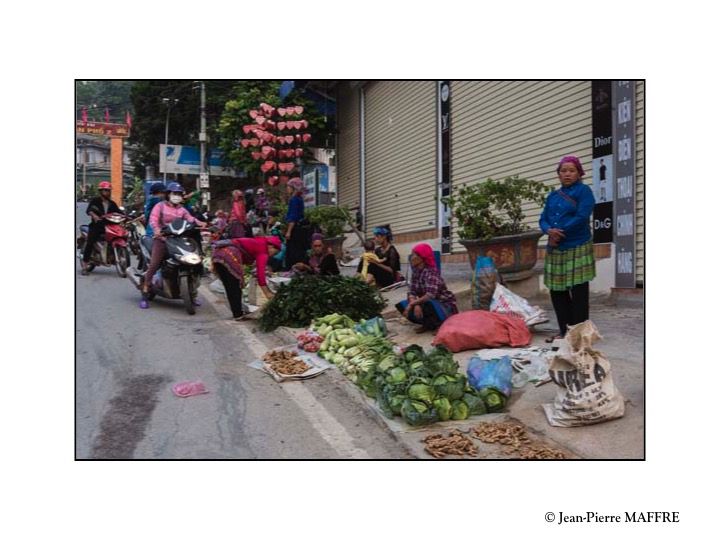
(331,221)
(490,218)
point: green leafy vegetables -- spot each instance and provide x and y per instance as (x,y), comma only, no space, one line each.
(306,298)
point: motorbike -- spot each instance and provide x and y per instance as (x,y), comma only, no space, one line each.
(136,231)
(111,249)
(179,274)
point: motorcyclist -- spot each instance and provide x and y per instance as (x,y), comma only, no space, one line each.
(158,192)
(163,213)
(97,208)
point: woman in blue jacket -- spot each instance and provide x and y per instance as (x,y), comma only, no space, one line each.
(569,262)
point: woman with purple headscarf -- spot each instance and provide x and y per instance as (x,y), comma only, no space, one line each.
(320,259)
(569,261)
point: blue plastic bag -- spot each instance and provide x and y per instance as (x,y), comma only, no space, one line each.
(483,283)
(495,373)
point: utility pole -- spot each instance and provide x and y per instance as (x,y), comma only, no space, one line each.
(169,103)
(204,178)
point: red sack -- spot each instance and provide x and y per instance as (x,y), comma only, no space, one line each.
(478,329)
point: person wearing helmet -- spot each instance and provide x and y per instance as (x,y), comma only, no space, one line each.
(97,208)
(163,213)
(157,194)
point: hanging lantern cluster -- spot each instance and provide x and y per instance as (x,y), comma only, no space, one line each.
(276,136)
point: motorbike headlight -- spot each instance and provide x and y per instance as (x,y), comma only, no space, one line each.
(191,258)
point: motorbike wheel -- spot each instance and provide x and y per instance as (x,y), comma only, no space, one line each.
(122,261)
(142,262)
(186,285)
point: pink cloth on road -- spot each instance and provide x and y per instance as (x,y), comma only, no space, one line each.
(164,212)
(189,388)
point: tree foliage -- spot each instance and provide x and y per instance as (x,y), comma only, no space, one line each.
(151,112)
(248,95)
(99,95)
(494,207)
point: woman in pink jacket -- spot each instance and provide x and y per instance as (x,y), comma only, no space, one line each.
(229,258)
(162,214)
(237,224)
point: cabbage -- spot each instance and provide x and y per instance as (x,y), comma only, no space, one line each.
(413,353)
(416,413)
(443,408)
(368,382)
(396,402)
(475,404)
(450,387)
(383,401)
(387,363)
(460,410)
(421,392)
(440,361)
(493,398)
(396,375)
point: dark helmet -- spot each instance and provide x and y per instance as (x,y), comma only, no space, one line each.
(174,187)
(157,187)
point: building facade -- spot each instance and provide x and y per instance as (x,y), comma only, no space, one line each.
(399,141)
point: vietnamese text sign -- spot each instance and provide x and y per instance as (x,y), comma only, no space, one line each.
(178,159)
(624,165)
(102,128)
(444,188)
(602,164)
(311,185)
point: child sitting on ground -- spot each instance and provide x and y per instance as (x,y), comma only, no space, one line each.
(369,257)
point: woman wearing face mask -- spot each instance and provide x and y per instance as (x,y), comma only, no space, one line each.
(162,214)
(569,262)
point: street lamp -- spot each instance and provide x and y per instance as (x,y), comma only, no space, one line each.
(169,102)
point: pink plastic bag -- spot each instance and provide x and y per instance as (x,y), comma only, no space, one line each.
(480,329)
(189,388)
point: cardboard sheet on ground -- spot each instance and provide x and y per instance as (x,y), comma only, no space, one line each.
(317,366)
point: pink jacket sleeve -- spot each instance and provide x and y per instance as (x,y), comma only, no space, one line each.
(261,261)
(187,215)
(155,217)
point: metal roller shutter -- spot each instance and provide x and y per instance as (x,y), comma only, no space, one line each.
(401,154)
(640,182)
(348,155)
(503,128)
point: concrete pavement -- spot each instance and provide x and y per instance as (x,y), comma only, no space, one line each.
(127,360)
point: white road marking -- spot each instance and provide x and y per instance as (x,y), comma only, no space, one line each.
(332,431)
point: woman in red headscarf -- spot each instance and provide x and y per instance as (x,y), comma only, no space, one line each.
(429,301)
(229,258)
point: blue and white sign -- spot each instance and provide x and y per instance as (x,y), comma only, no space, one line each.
(178,159)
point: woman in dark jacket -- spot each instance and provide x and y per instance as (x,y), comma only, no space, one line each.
(386,273)
(296,236)
(569,262)
(320,259)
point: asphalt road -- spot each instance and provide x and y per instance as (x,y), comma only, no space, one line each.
(127,360)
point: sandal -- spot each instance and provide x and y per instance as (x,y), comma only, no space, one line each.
(551,339)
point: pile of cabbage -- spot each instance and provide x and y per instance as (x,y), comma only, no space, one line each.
(422,388)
